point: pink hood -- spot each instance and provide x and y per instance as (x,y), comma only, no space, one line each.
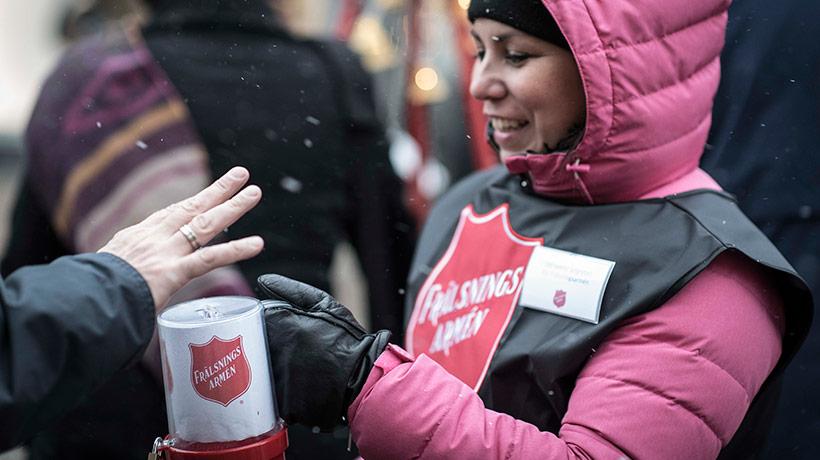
(650,70)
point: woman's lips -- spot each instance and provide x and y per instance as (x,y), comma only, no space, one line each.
(507,124)
(507,133)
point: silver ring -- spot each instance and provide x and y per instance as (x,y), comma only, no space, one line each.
(190,236)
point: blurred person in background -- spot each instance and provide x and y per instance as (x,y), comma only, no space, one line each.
(134,118)
(310,132)
(69,326)
(763,147)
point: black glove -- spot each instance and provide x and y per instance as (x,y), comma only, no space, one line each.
(320,355)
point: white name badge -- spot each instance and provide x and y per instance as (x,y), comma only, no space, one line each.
(565,283)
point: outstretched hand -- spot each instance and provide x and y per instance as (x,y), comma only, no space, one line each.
(165,247)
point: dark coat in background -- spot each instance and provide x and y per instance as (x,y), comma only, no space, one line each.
(299,114)
(764,146)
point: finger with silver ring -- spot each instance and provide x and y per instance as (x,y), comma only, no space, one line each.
(189,235)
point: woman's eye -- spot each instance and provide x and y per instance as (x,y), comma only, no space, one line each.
(516,58)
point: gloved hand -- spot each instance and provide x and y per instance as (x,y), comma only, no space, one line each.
(320,355)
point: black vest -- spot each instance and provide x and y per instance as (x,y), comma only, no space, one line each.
(658,245)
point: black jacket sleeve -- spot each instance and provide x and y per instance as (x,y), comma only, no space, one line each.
(66,328)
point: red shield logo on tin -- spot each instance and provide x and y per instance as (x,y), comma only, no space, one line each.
(560,298)
(467,301)
(219,370)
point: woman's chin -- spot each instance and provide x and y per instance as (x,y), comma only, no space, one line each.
(505,153)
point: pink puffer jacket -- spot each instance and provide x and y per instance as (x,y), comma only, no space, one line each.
(672,383)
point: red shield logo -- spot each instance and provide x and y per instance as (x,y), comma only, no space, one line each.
(467,301)
(219,370)
(560,298)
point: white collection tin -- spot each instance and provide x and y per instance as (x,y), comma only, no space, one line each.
(218,385)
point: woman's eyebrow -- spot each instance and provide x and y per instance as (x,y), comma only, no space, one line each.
(498,38)
(501,37)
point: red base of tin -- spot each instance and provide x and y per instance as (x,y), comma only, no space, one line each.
(269,446)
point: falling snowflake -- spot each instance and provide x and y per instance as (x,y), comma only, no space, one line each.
(291,184)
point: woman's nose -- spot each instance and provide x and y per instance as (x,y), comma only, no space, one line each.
(484,84)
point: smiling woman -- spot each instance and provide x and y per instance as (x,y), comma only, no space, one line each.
(655,331)
(531,90)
